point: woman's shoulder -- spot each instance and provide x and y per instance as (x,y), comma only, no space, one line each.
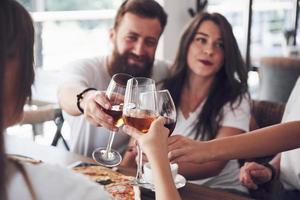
(58,182)
(243,101)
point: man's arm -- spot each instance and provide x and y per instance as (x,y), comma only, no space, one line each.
(67,97)
(92,103)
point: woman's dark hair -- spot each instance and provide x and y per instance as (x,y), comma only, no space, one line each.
(142,8)
(229,85)
(16,41)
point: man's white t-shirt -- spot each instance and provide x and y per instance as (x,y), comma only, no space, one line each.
(92,72)
(52,182)
(238,118)
(290,160)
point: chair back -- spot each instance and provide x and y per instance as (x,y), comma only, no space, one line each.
(278,76)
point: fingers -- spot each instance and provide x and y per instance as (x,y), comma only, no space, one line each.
(245,177)
(157,127)
(258,172)
(247,181)
(133,132)
(173,139)
(158,123)
(95,113)
(98,118)
(101,98)
(262,174)
(178,155)
(252,174)
(176,142)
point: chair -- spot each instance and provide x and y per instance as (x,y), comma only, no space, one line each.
(38,112)
(278,76)
(263,114)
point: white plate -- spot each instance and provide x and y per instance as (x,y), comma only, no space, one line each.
(180,181)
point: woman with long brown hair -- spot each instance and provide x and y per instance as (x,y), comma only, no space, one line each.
(209,87)
(20,180)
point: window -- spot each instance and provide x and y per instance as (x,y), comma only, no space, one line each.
(270,20)
(70,29)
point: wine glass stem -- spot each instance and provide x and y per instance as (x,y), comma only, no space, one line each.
(109,144)
(139,172)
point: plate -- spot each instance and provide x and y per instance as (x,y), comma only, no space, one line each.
(180,182)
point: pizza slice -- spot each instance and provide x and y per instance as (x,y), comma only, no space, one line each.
(115,183)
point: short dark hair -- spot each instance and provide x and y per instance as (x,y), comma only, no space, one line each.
(143,8)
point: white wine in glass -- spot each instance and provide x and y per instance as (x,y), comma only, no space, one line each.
(139,111)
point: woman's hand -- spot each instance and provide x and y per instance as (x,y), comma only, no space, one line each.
(155,140)
(183,149)
(252,174)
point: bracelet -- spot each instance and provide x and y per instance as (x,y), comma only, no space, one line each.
(273,171)
(80,97)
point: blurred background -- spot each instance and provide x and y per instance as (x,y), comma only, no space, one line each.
(72,29)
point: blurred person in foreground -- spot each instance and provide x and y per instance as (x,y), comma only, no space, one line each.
(21,180)
(135,34)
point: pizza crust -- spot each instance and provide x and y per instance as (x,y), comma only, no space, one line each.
(115,183)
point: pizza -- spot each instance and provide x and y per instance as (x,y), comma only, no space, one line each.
(115,183)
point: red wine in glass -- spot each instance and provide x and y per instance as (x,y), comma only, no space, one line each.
(170,124)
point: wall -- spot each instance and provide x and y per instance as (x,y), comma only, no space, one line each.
(178,17)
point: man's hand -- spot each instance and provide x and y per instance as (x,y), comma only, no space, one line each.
(93,104)
(252,174)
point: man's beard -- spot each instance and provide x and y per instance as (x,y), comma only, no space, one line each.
(120,64)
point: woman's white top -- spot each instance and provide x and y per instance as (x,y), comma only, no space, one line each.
(290,160)
(238,118)
(52,182)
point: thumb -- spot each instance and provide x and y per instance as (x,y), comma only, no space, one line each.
(158,123)
(133,132)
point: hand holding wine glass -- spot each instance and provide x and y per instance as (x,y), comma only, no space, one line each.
(166,108)
(115,94)
(155,141)
(140,110)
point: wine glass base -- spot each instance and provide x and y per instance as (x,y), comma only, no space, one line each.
(111,159)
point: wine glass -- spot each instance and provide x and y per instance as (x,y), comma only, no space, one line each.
(115,93)
(139,111)
(167,109)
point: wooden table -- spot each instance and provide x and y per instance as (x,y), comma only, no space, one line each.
(58,156)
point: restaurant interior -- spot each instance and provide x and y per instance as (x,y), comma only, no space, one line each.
(266,32)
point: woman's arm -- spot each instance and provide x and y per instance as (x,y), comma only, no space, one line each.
(194,171)
(154,144)
(261,142)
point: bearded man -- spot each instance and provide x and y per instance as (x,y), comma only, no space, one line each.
(137,28)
